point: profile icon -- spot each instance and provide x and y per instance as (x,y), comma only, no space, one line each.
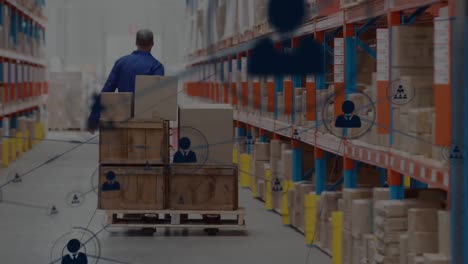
(74,256)
(184,154)
(306,58)
(348,119)
(111,184)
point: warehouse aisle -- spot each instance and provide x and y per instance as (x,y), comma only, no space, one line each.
(28,232)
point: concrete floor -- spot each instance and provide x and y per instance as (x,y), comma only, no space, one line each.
(28,233)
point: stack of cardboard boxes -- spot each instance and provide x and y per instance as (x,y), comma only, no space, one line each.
(136,172)
(327,204)
(296,205)
(261,157)
(391,221)
(276,168)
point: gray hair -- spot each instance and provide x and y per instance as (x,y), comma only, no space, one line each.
(144,38)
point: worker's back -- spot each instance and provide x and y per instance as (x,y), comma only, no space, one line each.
(128,67)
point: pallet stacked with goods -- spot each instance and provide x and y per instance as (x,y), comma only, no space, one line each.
(140,185)
(352,191)
(23,77)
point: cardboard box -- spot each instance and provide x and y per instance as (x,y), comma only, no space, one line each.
(412,46)
(192,187)
(327,204)
(399,208)
(156,98)
(422,220)
(388,249)
(361,217)
(436,259)
(420,120)
(388,237)
(347,245)
(444,233)
(404,249)
(275,148)
(259,172)
(209,128)
(116,106)
(391,224)
(134,143)
(131,188)
(381,259)
(422,242)
(262,151)
(380,194)
(261,189)
(368,248)
(286,157)
(415,259)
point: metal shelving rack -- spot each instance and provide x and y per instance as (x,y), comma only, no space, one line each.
(23,74)
(347,23)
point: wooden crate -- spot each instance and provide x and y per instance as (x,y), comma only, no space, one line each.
(134,188)
(134,143)
(203,188)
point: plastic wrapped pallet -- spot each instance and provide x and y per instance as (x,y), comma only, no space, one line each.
(422,220)
(348,196)
(259,172)
(444,232)
(436,259)
(327,204)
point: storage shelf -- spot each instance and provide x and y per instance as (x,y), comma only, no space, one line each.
(17,107)
(430,171)
(40,20)
(360,12)
(25,58)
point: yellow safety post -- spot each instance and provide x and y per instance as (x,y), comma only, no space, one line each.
(13,148)
(6,149)
(234,156)
(337,237)
(268,190)
(19,142)
(310,207)
(288,185)
(40,131)
(244,170)
(407,181)
(25,141)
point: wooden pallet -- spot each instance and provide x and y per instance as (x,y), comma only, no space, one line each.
(212,222)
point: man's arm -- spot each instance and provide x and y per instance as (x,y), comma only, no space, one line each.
(109,87)
(112,81)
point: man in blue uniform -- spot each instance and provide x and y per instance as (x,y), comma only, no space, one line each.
(125,70)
